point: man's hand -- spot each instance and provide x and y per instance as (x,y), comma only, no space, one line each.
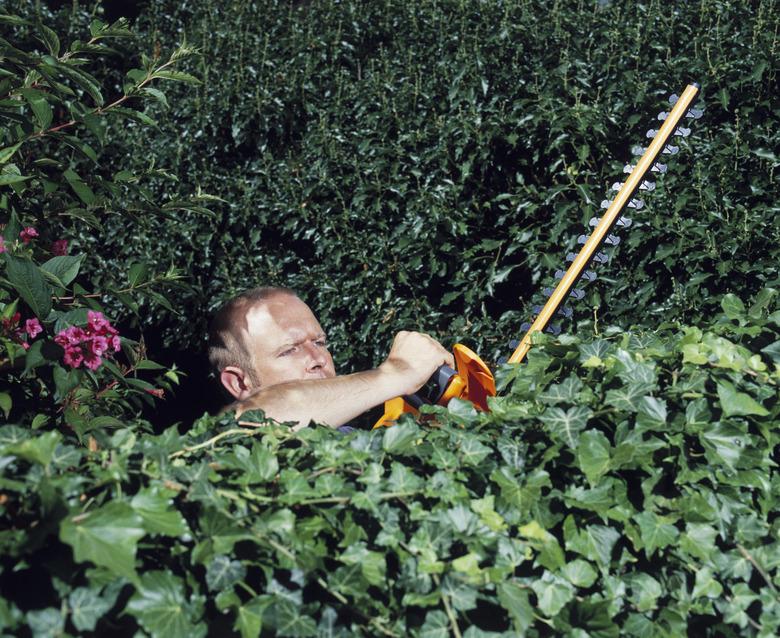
(413,358)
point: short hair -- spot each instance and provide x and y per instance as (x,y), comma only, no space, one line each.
(227,343)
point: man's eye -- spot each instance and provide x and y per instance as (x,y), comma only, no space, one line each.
(287,352)
(322,343)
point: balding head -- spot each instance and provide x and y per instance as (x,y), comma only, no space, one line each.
(228,331)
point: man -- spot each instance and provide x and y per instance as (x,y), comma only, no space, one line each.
(271,353)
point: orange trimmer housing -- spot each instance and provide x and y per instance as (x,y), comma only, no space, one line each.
(472,381)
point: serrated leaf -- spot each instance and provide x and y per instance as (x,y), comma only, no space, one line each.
(28,281)
(64,267)
(7,153)
(107,536)
(79,187)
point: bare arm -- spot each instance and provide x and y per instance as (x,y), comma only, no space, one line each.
(412,360)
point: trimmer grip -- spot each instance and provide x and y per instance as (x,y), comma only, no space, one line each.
(433,389)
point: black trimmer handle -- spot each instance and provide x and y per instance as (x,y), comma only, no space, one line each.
(433,389)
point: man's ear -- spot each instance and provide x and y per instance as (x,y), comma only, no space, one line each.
(236,382)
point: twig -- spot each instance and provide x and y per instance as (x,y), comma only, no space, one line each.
(758,567)
(212,441)
(448,609)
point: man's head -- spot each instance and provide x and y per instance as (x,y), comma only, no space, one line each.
(264,337)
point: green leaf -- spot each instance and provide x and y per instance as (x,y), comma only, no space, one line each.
(400,438)
(178,76)
(87,606)
(651,413)
(161,608)
(580,573)
(436,625)
(5,403)
(655,532)
(107,536)
(40,107)
(46,623)
(249,617)
(723,444)
(83,191)
(28,281)
(7,153)
(732,306)
(222,573)
(36,450)
(64,267)
(50,39)
(593,455)
(372,564)
(154,505)
(514,598)
(552,594)
(738,403)
(566,425)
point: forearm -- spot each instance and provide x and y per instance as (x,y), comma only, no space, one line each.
(332,402)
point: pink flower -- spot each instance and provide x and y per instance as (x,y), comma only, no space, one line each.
(88,345)
(60,247)
(27,234)
(33,328)
(2,244)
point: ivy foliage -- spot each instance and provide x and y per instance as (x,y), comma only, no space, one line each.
(624,485)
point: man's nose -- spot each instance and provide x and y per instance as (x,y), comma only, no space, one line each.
(315,356)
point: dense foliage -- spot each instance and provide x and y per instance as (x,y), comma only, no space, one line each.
(418,165)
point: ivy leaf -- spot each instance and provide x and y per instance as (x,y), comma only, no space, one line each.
(738,403)
(580,573)
(46,623)
(651,413)
(723,444)
(565,392)
(222,573)
(107,536)
(552,593)
(161,608)
(87,606)
(154,505)
(593,455)
(436,625)
(656,534)
(566,425)
(28,281)
(732,306)
(249,616)
(400,438)
(514,598)
(372,564)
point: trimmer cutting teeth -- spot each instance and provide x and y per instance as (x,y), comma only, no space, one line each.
(473,380)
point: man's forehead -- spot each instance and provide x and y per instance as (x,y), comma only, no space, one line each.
(281,313)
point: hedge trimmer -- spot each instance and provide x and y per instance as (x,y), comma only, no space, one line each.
(473,380)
